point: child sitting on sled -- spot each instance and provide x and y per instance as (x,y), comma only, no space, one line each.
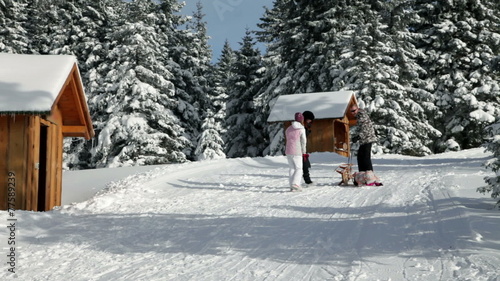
(366,178)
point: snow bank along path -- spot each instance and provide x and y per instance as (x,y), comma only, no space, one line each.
(235,220)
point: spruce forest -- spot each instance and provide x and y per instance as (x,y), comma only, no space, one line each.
(427,71)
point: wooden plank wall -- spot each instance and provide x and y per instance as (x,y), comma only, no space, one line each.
(32,155)
(321,137)
(19,153)
(50,195)
(19,137)
(36,159)
(13,154)
(54,155)
(327,135)
(59,168)
(4,139)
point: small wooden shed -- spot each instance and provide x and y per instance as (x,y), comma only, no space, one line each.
(41,101)
(330,130)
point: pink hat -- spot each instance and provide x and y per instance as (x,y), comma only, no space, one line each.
(299,117)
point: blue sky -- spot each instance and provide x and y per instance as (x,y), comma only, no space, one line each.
(228,19)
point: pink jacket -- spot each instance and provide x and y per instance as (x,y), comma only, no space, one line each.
(295,139)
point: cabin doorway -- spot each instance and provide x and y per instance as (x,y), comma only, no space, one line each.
(42,167)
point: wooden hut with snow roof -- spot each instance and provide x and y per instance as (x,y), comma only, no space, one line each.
(332,118)
(41,101)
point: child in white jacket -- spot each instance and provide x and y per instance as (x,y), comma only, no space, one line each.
(295,147)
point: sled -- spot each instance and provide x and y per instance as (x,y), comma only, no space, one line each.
(345,170)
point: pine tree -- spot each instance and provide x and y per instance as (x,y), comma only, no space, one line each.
(461,47)
(139,126)
(419,106)
(191,58)
(244,136)
(295,52)
(386,74)
(493,145)
(209,144)
(212,140)
(48,26)
(13,37)
(154,97)
(96,20)
(223,73)
(296,35)
(350,45)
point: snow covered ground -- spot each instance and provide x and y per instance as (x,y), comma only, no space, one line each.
(234,219)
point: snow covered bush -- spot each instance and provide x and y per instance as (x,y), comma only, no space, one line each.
(493,145)
(451,145)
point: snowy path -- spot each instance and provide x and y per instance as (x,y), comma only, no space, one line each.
(234,220)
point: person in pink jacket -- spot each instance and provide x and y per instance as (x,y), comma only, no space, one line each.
(295,147)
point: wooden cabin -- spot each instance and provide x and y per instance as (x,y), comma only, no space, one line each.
(330,129)
(41,101)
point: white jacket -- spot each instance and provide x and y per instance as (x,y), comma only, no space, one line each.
(295,139)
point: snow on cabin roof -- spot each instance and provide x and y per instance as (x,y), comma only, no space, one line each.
(31,83)
(324,105)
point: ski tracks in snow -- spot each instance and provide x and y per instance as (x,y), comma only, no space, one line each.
(434,229)
(235,219)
